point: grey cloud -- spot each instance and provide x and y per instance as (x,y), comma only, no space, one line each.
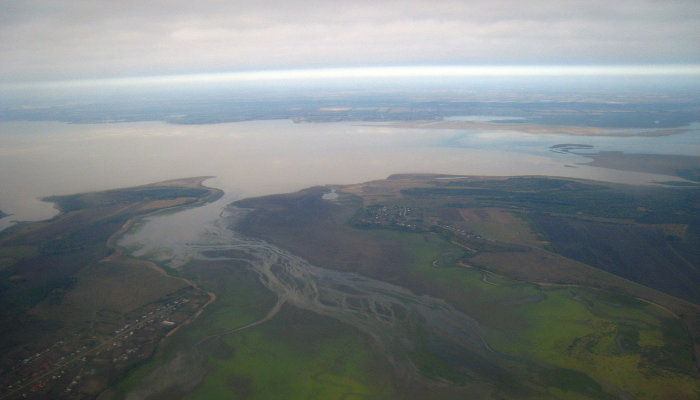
(74,39)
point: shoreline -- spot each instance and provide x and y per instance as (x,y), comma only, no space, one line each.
(118,251)
(530,128)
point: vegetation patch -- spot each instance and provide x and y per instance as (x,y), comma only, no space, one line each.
(558,321)
(297,355)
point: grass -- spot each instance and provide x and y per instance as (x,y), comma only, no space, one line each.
(119,287)
(11,254)
(587,336)
(463,287)
(295,355)
(498,225)
(241,299)
(559,342)
(319,359)
(580,330)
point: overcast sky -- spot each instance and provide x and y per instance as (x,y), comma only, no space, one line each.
(82,39)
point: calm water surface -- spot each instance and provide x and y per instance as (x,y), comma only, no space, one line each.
(262,157)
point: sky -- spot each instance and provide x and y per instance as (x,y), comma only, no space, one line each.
(45,40)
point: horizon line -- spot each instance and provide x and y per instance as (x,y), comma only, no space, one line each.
(431,71)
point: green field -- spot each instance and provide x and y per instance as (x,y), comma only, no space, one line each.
(296,355)
(564,342)
(531,322)
(571,340)
(638,348)
(608,338)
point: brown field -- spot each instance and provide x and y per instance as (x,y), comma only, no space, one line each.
(161,204)
(121,286)
(498,224)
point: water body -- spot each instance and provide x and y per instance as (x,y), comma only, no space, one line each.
(263,157)
(687,143)
(384,311)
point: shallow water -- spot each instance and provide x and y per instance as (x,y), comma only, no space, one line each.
(263,157)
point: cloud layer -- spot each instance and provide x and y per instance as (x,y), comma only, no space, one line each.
(75,39)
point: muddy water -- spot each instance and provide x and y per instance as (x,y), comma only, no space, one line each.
(264,157)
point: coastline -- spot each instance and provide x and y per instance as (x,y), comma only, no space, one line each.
(118,251)
(535,128)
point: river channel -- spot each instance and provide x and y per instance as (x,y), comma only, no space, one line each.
(389,313)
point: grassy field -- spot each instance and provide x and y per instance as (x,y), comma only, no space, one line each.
(296,355)
(572,340)
(551,329)
(118,287)
(498,225)
(636,347)
(609,339)
(12,254)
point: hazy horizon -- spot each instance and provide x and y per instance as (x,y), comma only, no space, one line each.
(74,40)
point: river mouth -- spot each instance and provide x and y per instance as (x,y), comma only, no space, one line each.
(483,336)
(398,320)
(390,314)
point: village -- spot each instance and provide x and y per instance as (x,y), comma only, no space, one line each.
(392,216)
(408,218)
(81,364)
